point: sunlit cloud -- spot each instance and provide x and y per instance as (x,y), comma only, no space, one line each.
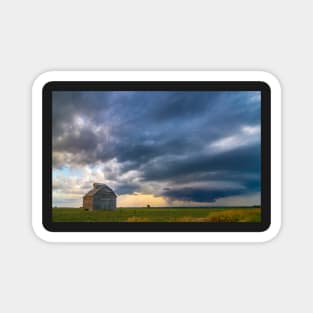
(247,135)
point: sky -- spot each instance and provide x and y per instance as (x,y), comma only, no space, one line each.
(162,148)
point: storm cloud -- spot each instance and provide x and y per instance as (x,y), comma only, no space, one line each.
(195,146)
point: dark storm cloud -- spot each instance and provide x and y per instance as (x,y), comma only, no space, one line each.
(241,160)
(166,136)
(127,188)
(206,194)
(199,194)
(85,140)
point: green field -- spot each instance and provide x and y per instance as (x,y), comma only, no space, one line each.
(247,214)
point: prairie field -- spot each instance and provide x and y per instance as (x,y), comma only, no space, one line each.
(154,214)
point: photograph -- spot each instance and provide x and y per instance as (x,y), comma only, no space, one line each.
(156,156)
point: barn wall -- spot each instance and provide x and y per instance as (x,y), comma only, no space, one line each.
(104,201)
(100,200)
(88,203)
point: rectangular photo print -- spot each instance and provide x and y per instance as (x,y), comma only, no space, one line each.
(156,156)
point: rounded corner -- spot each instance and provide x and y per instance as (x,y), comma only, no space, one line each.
(41,232)
(271,232)
(270,80)
(42,80)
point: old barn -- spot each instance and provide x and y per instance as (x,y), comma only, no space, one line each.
(101,197)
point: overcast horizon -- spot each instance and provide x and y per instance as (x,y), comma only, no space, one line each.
(162,148)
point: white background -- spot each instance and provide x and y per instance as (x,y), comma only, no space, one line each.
(37,36)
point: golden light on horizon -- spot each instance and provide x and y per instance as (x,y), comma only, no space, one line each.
(140,200)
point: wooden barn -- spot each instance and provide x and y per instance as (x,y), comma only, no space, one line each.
(101,197)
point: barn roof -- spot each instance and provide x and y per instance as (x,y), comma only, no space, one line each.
(97,187)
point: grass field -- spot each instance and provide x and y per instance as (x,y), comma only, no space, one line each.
(249,214)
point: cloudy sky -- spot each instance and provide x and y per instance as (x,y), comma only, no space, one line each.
(160,148)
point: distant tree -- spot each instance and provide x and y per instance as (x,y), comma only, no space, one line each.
(148,206)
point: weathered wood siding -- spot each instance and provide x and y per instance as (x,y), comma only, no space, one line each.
(88,203)
(101,197)
(103,200)
(108,204)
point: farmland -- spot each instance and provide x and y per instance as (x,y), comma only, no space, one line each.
(161,214)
